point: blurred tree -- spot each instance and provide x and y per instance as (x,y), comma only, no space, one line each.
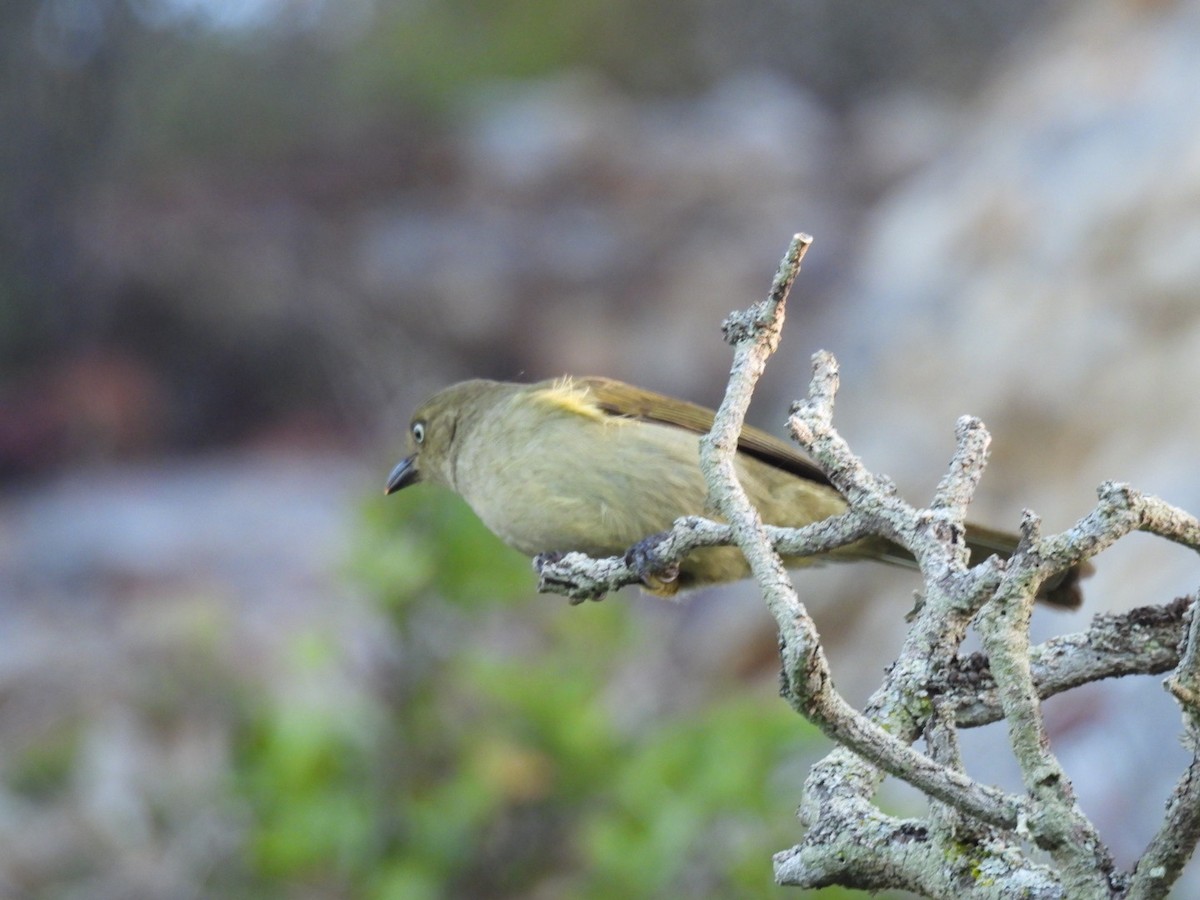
(56,109)
(179,180)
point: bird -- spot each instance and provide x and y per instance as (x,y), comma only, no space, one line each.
(595,465)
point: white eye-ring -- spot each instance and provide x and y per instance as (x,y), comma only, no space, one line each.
(418,432)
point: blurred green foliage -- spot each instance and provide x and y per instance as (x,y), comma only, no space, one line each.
(509,752)
(44,769)
(428,53)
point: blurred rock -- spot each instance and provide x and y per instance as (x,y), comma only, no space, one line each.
(894,134)
(141,606)
(1043,274)
(602,234)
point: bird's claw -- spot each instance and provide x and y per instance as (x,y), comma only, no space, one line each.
(656,576)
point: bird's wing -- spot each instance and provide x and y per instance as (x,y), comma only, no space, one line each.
(620,399)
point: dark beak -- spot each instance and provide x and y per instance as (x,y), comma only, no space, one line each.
(403,475)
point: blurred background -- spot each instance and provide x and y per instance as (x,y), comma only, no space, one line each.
(240,241)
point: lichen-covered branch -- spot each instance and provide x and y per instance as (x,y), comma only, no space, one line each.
(1173,843)
(1085,863)
(976,840)
(1143,641)
(580,577)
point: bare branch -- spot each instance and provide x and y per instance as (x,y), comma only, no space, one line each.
(1086,863)
(1172,846)
(976,840)
(1143,641)
(580,577)
(957,487)
(807,681)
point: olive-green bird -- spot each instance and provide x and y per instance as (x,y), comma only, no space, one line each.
(595,465)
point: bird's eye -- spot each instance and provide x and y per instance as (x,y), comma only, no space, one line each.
(418,432)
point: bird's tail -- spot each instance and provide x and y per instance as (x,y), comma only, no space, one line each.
(1062,590)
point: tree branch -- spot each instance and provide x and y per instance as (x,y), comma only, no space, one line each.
(976,840)
(1143,641)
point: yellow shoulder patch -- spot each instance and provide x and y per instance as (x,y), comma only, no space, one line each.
(566,395)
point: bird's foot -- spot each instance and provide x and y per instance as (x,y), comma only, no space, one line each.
(657,577)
